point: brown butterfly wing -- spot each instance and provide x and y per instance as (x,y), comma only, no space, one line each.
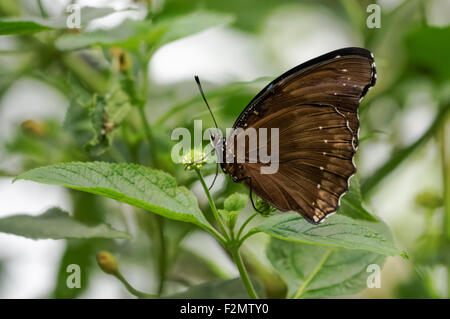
(339,78)
(315,108)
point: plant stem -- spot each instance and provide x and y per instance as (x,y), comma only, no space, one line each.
(241,229)
(131,289)
(213,206)
(162,260)
(147,130)
(445,159)
(42,9)
(246,236)
(234,249)
(243,272)
(311,276)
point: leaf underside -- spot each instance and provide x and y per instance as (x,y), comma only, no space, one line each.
(319,272)
(335,231)
(56,224)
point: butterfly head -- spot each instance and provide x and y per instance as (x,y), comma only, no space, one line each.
(216,140)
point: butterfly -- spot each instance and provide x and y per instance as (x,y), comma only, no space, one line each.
(315,108)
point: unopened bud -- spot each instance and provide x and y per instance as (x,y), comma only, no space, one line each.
(107,262)
(122,58)
(264,208)
(429,199)
(33,128)
(194,159)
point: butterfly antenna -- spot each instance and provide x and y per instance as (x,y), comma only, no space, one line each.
(215,123)
(204,99)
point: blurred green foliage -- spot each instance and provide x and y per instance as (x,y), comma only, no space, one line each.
(117,115)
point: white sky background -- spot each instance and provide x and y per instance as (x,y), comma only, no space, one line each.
(219,55)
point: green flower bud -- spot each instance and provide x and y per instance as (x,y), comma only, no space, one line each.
(33,128)
(195,159)
(429,199)
(235,202)
(107,262)
(264,208)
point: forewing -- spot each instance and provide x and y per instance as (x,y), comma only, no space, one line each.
(339,79)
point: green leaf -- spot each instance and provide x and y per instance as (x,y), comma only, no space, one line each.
(136,185)
(351,203)
(251,14)
(171,29)
(224,289)
(428,49)
(310,271)
(111,37)
(56,224)
(91,13)
(235,202)
(21,27)
(335,231)
(131,34)
(77,122)
(30,25)
(106,115)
